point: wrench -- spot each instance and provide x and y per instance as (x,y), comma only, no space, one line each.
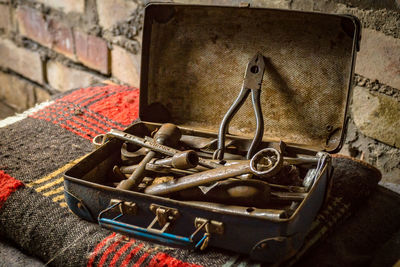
(270,158)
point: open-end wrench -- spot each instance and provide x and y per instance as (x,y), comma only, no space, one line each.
(269,158)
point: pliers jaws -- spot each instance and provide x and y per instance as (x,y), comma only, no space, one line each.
(254,73)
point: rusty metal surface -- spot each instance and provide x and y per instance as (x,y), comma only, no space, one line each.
(168,133)
(263,164)
(90,180)
(248,193)
(195,60)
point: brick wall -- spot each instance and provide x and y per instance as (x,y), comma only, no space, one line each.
(49,46)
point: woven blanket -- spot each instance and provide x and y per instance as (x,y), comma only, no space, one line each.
(38,146)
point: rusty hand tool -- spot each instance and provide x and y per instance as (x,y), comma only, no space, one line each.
(205,147)
(168,133)
(133,157)
(288,196)
(181,160)
(273,214)
(252,83)
(175,165)
(312,174)
(288,188)
(118,173)
(150,143)
(267,162)
(252,193)
(156,168)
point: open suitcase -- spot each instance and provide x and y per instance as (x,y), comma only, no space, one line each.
(193,61)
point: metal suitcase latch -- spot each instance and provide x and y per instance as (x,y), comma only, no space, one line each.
(211,227)
(164,216)
(125,207)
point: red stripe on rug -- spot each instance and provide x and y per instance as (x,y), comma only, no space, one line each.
(98,248)
(94,98)
(141,260)
(109,107)
(81,128)
(8,185)
(105,122)
(85,120)
(91,120)
(108,251)
(122,107)
(88,125)
(128,258)
(121,251)
(75,131)
(163,259)
(83,94)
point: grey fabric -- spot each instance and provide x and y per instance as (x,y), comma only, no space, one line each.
(44,229)
(355,241)
(10,256)
(30,149)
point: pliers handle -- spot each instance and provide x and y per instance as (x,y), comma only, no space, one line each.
(252,83)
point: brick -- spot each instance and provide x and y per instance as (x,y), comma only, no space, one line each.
(17,92)
(5,110)
(65,5)
(47,31)
(377,116)
(41,95)
(62,38)
(21,60)
(4,16)
(64,78)
(110,12)
(33,25)
(92,51)
(125,66)
(379,58)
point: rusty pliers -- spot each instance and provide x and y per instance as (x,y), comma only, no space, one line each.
(252,83)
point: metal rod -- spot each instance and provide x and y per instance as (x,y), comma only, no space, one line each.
(149,143)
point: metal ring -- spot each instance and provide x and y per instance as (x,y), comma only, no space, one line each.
(273,166)
(98,140)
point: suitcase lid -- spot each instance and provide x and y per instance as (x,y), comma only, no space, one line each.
(194,59)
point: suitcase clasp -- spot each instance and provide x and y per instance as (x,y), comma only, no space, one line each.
(164,216)
(211,227)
